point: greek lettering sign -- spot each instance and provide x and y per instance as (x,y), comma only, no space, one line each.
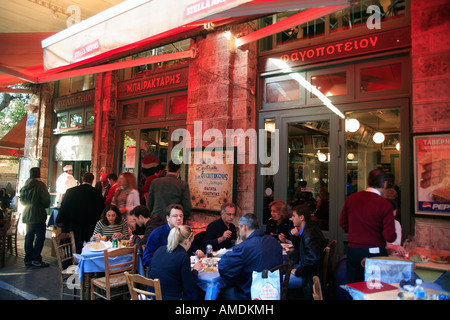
(77,100)
(153,84)
(211,185)
(340,49)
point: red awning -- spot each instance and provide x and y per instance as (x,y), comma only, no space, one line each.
(12,144)
(21,57)
(124,29)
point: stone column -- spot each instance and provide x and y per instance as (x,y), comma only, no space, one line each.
(430,54)
(104,128)
(221,94)
(38,134)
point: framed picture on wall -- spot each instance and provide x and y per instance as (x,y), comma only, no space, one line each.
(391,140)
(367,135)
(431,168)
(357,136)
(320,142)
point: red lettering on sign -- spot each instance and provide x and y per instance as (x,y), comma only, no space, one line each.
(87,49)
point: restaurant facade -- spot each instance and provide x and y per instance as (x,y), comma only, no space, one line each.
(339,96)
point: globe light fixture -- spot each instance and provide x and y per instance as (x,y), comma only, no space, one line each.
(378,137)
(351,125)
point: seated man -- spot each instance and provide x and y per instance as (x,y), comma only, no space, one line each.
(220,232)
(311,246)
(141,216)
(257,252)
(158,237)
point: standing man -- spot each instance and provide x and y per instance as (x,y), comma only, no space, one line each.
(103,185)
(169,190)
(64,182)
(310,248)
(35,198)
(368,219)
(112,180)
(80,210)
(160,171)
(256,252)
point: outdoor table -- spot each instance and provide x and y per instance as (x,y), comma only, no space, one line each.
(91,261)
(211,283)
(382,295)
(431,271)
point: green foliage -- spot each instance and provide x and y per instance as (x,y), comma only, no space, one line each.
(11,115)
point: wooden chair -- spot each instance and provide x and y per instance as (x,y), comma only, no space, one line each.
(11,236)
(136,283)
(328,265)
(317,289)
(114,273)
(64,246)
(4,227)
(285,270)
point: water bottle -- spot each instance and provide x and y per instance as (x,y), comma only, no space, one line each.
(419,291)
(209,251)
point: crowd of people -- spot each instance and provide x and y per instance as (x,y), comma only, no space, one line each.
(114,209)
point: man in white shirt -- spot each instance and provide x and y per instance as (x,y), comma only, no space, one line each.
(64,182)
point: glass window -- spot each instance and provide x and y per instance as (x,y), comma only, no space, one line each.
(89,118)
(130,111)
(306,30)
(128,157)
(381,78)
(281,91)
(178,104)
(153,108)
(61,121)
(308,171)
(76,119)
(268,184)
(373,141)
(330,84)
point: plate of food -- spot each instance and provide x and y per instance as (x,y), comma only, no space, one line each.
(220,253)
(98,245)
(441,259)
(418,258)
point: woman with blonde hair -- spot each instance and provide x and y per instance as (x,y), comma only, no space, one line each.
(171,265)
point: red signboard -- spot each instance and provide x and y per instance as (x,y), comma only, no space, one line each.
(157,83)
(340,49)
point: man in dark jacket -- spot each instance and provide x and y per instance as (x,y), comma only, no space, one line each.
(35,198)
(311,244)
(169,190)
(257,252)
(80,210)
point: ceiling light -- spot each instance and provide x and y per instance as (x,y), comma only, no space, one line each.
(351,125)
(378,137)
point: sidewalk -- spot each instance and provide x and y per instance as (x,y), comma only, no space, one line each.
(18,282)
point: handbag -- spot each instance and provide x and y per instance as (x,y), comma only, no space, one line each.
(266,285)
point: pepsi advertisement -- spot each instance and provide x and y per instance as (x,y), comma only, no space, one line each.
(432,174)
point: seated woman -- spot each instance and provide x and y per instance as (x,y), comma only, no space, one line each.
(111,225)
(279,224)
(171,265)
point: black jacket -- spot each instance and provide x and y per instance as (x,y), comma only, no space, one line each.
(35,198)
(310,248)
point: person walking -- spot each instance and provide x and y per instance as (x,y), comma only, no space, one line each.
(80,211)
(368,219)
(35,198)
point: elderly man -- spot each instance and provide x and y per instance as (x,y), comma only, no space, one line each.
(222,231)
(256,252)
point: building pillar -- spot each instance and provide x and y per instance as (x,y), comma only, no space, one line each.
(221,94)
(39,128)
(104,128)
(430,55)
